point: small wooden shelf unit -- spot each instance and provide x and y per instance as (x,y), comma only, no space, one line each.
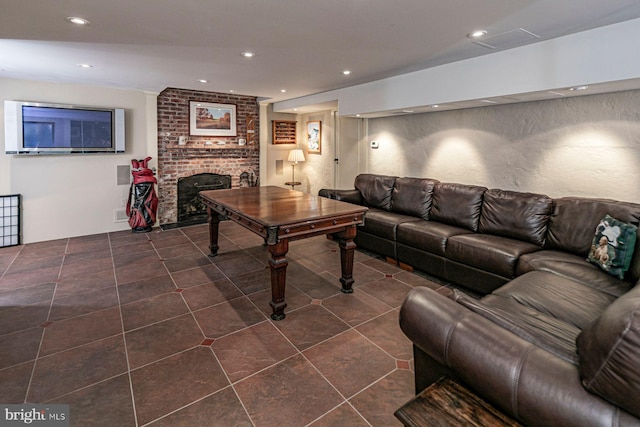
(284,131)
(447,403)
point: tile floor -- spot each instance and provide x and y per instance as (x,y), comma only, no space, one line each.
(146,330)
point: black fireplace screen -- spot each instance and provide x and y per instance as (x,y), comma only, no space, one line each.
(191,210)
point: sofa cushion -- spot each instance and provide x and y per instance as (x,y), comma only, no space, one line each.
(558,297)
(376,190)
(429,236)
(609,350)
(487,252)
(613,245)
(522,216)
(457,204)
(412,196)
(575,218)
(544,331)
(383,224)
(574,267)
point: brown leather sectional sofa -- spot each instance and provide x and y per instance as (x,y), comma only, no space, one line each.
(555,340)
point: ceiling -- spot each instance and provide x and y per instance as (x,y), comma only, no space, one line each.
(301,46)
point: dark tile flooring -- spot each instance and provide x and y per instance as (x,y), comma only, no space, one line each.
(145,329)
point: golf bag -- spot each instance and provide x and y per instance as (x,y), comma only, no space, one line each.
(143,202)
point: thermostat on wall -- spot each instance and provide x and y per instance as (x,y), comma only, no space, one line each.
(375,144)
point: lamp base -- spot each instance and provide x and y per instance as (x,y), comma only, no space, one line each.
(292,184)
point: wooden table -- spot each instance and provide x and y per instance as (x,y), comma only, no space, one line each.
(446,403)
(280,215)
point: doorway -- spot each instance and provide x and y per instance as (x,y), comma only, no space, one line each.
(349,133)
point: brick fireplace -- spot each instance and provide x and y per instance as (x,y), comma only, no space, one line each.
(202,154)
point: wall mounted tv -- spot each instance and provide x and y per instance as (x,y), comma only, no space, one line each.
(39,128)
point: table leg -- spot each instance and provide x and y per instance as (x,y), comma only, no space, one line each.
(278,265)
(214,222)
(347,250)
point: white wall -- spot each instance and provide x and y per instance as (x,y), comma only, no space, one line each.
(318,170)
(583,146)
(75,195)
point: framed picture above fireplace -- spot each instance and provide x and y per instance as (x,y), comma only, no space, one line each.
(208,119)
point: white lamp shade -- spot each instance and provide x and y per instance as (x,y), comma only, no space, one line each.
(296,156)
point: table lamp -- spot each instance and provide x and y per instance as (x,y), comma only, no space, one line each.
(295,156)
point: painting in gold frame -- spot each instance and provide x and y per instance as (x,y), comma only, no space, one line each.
(314,137)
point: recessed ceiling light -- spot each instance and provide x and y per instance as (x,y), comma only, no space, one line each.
(78,21)
(283,90)
(477,34)
(248,54)
(579,88)
(232,91)
(85,65)
(434,105)
(346,72)
(408,111)
(202,81)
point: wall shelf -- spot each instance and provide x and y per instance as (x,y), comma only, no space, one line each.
(284,131)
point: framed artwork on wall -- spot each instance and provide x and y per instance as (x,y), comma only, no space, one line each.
(314,137)
(208,119)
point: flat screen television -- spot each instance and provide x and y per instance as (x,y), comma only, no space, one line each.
(39,128)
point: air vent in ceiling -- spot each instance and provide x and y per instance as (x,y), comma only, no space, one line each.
(513,38)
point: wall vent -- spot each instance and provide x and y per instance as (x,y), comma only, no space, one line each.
(508,40)
(120,215)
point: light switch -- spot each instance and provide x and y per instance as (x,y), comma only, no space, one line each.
(375,144)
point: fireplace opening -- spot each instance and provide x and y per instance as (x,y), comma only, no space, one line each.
(191,210)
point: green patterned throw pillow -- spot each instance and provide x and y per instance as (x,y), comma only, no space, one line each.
(613,245)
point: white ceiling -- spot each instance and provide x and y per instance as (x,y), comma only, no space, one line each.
(300,45)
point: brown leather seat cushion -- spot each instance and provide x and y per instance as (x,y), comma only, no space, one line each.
(383,224)
(557,296)
(430,236)
(574,267)
(495,254)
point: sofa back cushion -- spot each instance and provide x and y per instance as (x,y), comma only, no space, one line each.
(376,190)
(457,204)
(522,216)
(413,196)
(609,351)
(574,221)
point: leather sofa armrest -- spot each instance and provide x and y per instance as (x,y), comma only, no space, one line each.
(349,196)
(524,381)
